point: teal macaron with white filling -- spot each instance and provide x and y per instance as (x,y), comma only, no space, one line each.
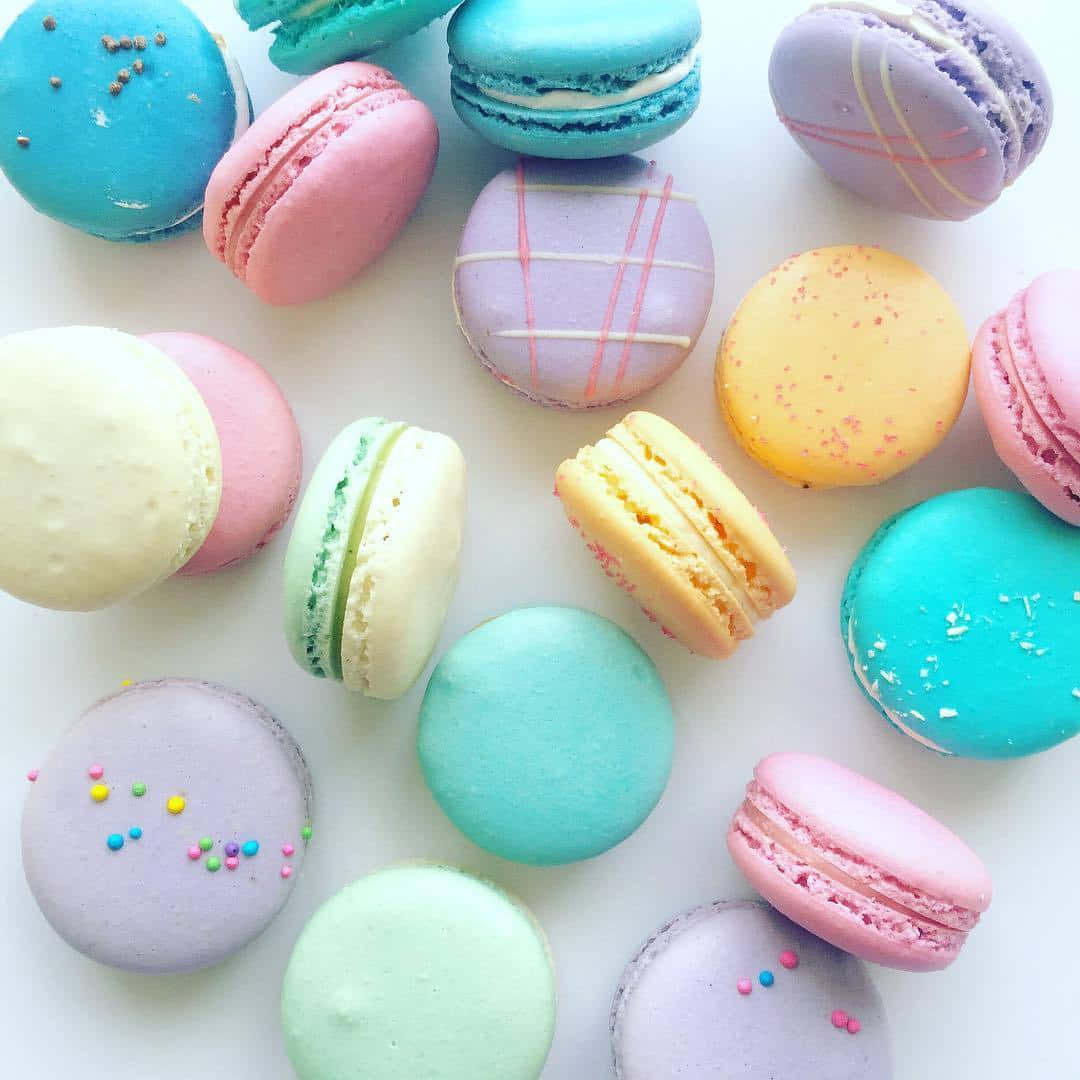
(564,79)
(374,556)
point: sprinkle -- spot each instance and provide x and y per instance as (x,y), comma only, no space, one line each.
(287,850)
(22,140)
(1027,606)
(744,986)
(924,673)
(889,677)
(205,843)
(110,43)
(1076,691)
(139,42)
(1026,646)
(918,715)
(944,682)
(32,775)
(853,1026)
(125,43)
(1036,597)
(115,88)
(125,682)
(766,978)
(138,67)
(232,862)
(947,714)
(95,772)
(839,1018)
(251,847)
(232,849)
(49,22)
(99,792)
(115,841)
(138,790)
(1041,652)
(286,871)
(213,864)
(55,82)
(931,659)
(879,644)
(176,804)
(135,832)
(305,832)
(1076,597)
(193,853)
(123,76)
(957,631)
(160,39)
(870,654)
(1003,599)
(789,959)
(951,618)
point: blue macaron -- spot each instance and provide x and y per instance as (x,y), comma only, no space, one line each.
(564,79)
(546,735)
(115,114)
(310,35)
(961,618)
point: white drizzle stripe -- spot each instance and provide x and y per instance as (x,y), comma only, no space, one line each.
(560,256)
(596,335)
(601,189)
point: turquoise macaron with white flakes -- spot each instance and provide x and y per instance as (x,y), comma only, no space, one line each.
(374,556)
(961,619)
(114,114)
(566,79)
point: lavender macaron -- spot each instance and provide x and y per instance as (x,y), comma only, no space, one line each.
(920,106)
(583,283)
(168,827)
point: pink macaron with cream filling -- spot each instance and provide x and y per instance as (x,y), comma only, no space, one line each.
(1026,364)
(321,183)
(856,864)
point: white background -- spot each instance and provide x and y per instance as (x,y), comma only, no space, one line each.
(388,345)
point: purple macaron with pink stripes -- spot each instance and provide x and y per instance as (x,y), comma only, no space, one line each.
(920,106)
(583,283)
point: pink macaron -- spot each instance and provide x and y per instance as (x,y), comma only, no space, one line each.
(321,183)
(260,447)
(1027,379)
(857,864)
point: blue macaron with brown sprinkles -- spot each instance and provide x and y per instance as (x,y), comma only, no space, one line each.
(114,114)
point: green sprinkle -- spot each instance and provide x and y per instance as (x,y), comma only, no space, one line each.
(305,832)
(213,864)
(138,790)
(205,844)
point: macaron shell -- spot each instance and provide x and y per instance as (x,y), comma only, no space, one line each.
(1050,305)
(843,366)
(111,465)
(260,447)
(407,565)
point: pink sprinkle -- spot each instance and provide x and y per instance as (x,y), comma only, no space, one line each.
(232,862)
(789,959)
(744,986)
(194,853)
(286,871)
(96,772)
(853,1026)
(32,775)
(287,850)
(839,1019)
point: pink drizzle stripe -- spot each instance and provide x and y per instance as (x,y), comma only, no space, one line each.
(639,300)
(805,127)
(813,132)
(609,315)
(524,259)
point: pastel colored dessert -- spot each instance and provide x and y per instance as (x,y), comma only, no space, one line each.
(546,735)
(115,114)
(313,34)
(670,528)
(168,827)
(110,467)
(733,989)
(580,284)
(1026,365)
(843,366)
(563,79)
(921,106)
(856,864)
(959,644)
(374,556)
(320,184)
(419,971)
(261,462)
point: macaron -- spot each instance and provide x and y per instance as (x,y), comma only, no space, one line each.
(583,283)
(313,34)
(961,620)
(926,108)
(110,467)
(843,366)
(734,989)
(419,971)
(149,837)
(374,556)
(546,735)
(1026,364)
(563,79)
(116,113)
(260,447)
(857,864)
(669,527)
(320,184)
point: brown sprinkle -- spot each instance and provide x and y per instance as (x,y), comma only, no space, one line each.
(160,38)
(138,66)
(125,42)
(123,76)
(115,88)
(139,42)
(22,140)
(49,22)
(110,43)
(54,82)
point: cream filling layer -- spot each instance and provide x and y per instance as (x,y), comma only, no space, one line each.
(574,100)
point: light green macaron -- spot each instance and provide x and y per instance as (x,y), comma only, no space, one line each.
(374,556)
(419,971)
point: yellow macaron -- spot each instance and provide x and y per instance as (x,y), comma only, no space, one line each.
(843,366)
(668,526)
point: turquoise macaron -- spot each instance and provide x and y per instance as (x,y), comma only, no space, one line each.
(115,114)
(564,79)
(961,619)
(310,35)
(546,735)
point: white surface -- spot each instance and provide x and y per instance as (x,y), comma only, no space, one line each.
(389,345)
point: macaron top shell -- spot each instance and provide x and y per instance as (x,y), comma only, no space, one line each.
(122,147)
(1050,305)
(111,466)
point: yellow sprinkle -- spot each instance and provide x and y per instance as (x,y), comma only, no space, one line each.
(176,804)
(99,792)
(126,682)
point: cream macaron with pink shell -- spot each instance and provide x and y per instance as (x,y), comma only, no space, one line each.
(857,864)
(321,183)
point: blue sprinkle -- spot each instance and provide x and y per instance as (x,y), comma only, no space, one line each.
(766,978)
(135,832)
(251,847)
(115,841)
